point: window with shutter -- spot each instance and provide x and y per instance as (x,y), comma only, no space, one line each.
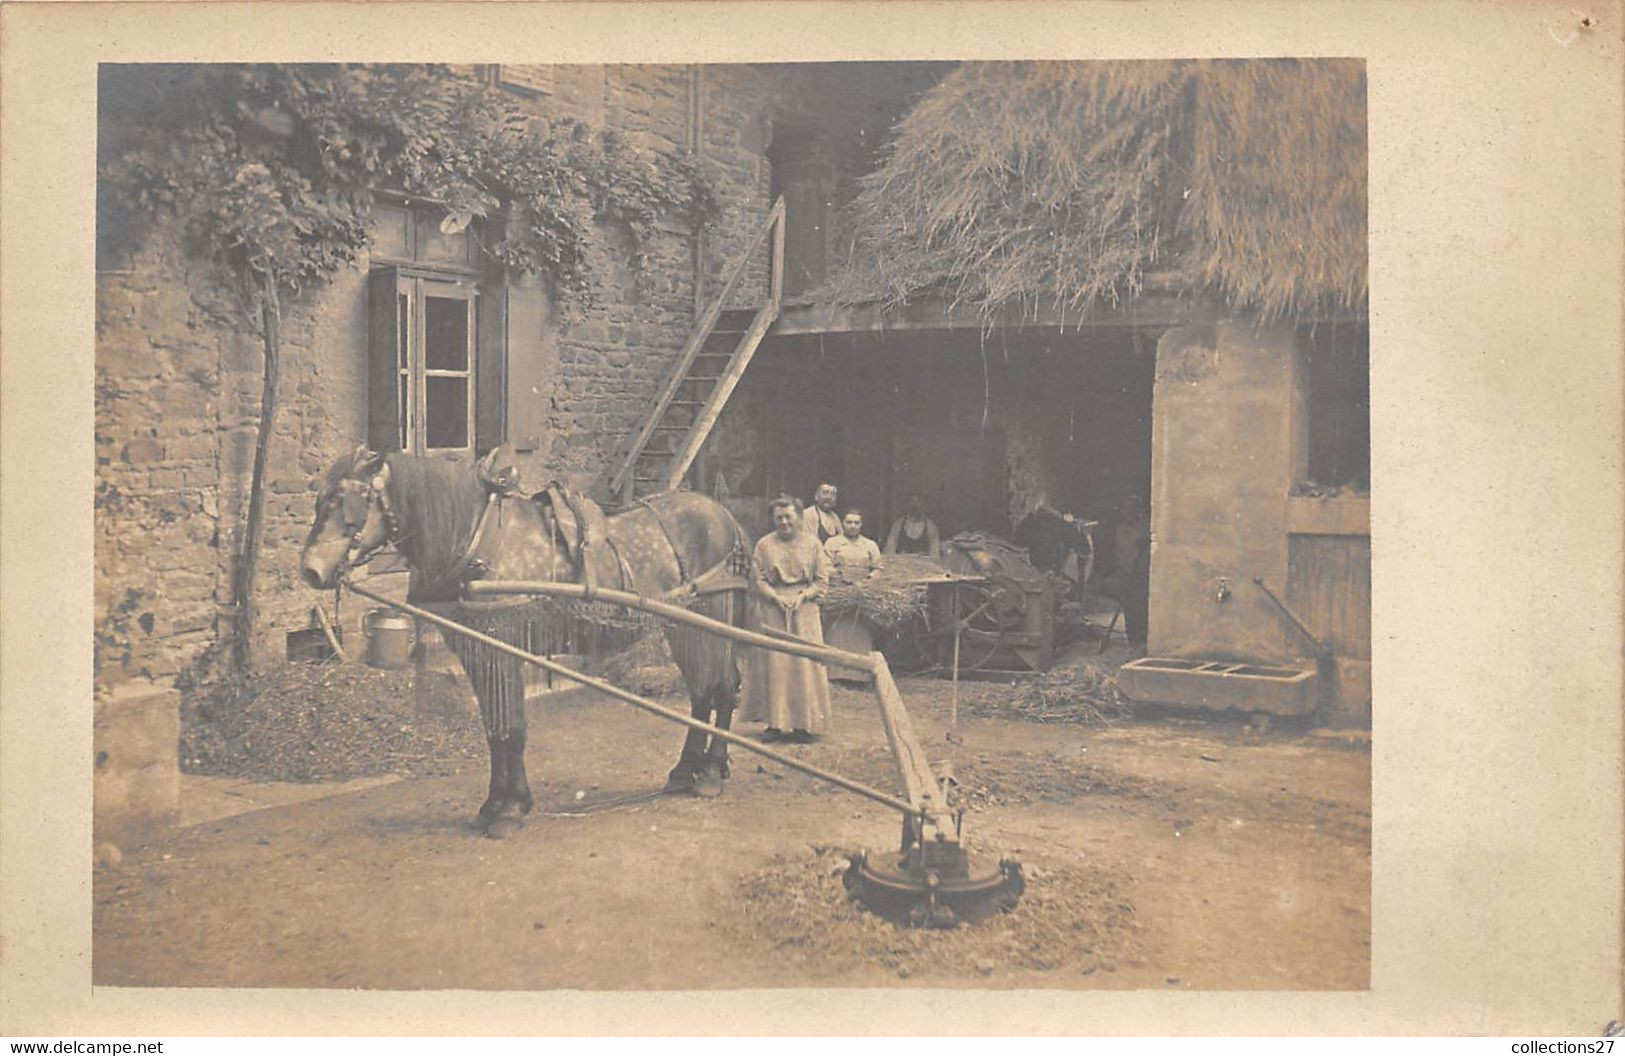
(436,343)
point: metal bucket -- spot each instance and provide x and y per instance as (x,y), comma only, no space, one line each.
(391,634)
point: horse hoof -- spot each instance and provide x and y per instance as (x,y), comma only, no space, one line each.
(708,783)
(681,779)
(502,828)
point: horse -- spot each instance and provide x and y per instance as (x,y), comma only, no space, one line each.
(454,522)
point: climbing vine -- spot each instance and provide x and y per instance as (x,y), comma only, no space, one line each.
(275,168)
(273,171)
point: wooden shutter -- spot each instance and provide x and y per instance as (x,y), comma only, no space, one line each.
(491,370)
(384,352)
(531,356)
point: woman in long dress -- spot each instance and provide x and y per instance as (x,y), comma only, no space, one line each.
(789,573)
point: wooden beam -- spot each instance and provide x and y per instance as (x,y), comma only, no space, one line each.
(327,629)
(1151,308)
(919,784)
(650,706)
(676,613)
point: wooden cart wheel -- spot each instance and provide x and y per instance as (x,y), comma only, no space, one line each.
(983,618)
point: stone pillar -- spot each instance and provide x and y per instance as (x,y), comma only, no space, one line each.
(1221,473)
(137,776)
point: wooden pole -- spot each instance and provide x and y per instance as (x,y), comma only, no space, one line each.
(953,702)
(327,629)
(926,815)
(677,614)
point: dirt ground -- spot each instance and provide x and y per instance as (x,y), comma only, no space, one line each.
(1166,853)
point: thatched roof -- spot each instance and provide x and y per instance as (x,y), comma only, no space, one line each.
(1065,184)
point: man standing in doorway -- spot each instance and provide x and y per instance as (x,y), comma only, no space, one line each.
(914,532)
(1131,546)
(820,519)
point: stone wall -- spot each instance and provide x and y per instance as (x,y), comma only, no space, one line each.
(178,386)
(1221,471)
(614,356)
(179,374)
(1228,432)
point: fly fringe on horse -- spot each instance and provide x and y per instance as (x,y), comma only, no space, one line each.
(705,659)
(564,626)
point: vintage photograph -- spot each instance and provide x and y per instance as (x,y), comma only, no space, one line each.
(724,526)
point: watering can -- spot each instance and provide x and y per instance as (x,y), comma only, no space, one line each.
(391,635)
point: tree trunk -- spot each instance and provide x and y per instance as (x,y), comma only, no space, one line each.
(248,552)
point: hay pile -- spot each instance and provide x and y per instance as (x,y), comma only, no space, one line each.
(889,598)
(645,668)
(1077,693)
(332,722)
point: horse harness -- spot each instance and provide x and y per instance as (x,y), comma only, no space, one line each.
(503,484)
(725,575)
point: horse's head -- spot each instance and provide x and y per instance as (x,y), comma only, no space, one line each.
(352,518)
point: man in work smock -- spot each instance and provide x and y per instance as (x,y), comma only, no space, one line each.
(820,519)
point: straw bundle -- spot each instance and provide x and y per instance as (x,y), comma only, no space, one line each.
(1015,184)
(889,598)
(1081,693)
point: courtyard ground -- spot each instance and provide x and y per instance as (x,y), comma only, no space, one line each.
(1161,852)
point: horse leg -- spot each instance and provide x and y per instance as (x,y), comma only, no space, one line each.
(499,783)
(514,798)
(518,786)
(716,757)
(683,776)
(499,686)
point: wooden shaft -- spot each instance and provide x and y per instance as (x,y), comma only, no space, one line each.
(953,707)
(327,629)
(650,706)
(918,782)
(676,613)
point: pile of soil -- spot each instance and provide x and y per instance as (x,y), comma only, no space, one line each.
(1072,920)
(332,722)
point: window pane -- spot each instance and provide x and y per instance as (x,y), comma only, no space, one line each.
(445,333)
(446,410)
(404,415)
(1340,406)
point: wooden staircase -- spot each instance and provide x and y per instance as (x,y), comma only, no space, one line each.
(673,430)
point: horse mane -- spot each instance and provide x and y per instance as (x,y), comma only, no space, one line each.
(437,504)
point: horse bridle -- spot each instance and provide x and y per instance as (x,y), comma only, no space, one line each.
(356,498)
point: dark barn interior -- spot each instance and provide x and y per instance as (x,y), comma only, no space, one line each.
(984,426)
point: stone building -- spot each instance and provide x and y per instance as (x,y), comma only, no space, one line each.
(1246,430)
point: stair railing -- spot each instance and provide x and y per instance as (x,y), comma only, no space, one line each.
(622,479)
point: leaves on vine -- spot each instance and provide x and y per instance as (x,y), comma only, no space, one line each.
(273,170)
